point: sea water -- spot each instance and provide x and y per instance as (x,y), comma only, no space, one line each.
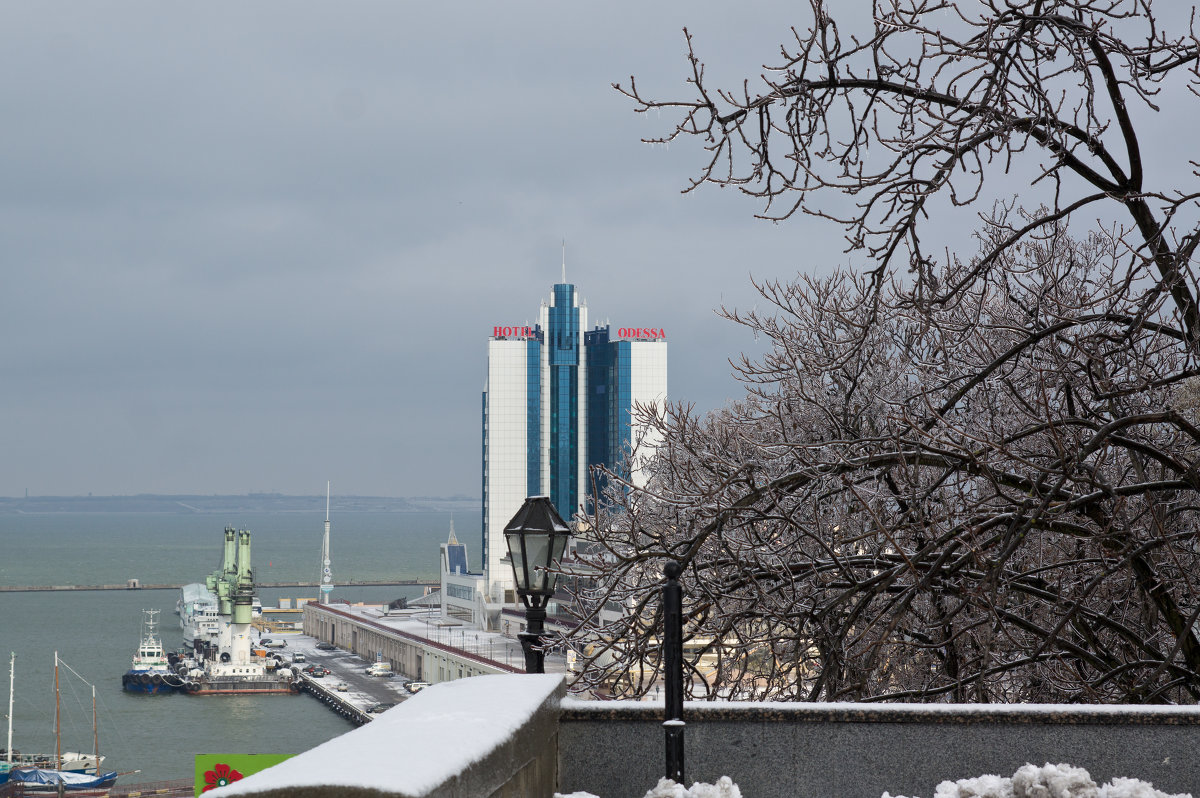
(95,632)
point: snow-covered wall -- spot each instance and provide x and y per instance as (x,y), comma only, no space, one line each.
(517,736)
(484,736)
(783,750)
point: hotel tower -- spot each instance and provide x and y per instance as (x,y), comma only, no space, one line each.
(558,400)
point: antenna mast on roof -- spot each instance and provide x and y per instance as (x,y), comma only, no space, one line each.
(564,279)
(326,571)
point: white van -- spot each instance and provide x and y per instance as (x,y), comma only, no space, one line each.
(380,669)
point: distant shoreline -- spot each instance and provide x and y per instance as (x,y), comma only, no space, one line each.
(248,503)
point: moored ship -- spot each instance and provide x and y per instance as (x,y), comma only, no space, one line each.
(150,671)
(226,663)
(198,616)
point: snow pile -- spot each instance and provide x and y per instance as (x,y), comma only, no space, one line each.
(724,788)
(1048,781)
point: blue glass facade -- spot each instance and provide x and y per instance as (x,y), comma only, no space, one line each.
(609,399)
(564,340)
(533,400)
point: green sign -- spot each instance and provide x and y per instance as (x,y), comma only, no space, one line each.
(217,770)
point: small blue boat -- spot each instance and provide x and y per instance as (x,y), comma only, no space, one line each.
(46,780)
(151,672)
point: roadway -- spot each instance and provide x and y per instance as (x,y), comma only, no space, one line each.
(362,691)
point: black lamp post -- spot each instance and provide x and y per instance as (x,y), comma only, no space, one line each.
(673,724)
(536,537)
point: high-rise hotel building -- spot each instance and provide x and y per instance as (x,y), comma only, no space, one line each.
(559,399)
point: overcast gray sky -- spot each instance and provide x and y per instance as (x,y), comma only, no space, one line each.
(253,247)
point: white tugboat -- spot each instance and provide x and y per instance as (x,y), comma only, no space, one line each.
(150,672)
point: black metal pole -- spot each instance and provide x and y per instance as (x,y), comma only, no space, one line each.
(531,639)
(673,725)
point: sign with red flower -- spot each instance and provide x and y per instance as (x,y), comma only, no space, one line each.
(219,776)
(217,770)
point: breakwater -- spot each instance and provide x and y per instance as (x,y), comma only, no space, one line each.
(136,585)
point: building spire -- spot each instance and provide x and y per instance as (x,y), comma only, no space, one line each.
(564,274)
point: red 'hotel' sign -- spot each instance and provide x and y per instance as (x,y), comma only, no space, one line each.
(512,332)
(623,332)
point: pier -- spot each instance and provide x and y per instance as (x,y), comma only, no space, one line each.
(347,689)
(336,700)
(134,584)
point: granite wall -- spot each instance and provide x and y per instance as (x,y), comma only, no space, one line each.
(616,749)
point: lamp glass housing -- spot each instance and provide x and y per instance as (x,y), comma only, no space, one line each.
(536,538)
(533,554)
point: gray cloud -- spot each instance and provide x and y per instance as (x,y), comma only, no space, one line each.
(255,248)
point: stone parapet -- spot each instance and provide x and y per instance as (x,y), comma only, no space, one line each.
(518,736)
(782,750)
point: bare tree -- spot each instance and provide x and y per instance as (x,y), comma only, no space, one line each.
(940,95)
(965,479)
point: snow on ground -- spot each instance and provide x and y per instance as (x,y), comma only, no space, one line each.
(476,714)
(1048,781)
(724,788)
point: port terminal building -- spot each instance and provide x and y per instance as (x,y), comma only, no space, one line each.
(417,643)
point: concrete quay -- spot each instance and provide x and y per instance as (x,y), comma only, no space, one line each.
(347,690)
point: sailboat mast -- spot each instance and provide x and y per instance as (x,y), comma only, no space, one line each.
(95,733)
(57,719)
(12,669)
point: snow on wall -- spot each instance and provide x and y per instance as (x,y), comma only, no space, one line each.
(413,748)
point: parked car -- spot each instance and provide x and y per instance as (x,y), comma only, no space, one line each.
(341,687)
(375,710)
(299,657)
(326,646)
(271,642)
(416,687)
(380,669)
(319,673)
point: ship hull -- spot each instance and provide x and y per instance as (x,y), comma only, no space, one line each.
(228,685)
(150,683)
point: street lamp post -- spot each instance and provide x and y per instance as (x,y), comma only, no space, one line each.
(673,724)
(536,537)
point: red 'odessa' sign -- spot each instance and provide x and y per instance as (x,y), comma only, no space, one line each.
(641,332)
